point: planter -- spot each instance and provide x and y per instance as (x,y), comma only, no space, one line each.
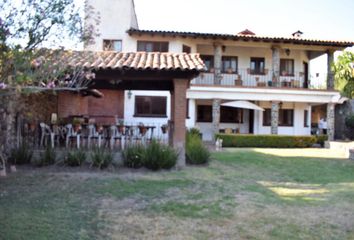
(13,168)
(164,129)
(142,130)
(121,129)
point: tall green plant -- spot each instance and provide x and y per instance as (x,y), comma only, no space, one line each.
(344,74)
(196,152)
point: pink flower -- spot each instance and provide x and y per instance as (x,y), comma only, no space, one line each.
(2,85)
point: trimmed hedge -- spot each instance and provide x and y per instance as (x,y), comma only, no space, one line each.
(266,141)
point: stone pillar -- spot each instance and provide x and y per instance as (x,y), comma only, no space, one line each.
(216,116)
(330,120)
(179,118)
(274,121)
(217,63)
(330,74)
(275,63)
(217,81)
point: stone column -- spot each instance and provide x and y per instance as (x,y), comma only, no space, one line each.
(330,74)
(330,120)
(274,121)
(217,81)
(179,109)
(216,116)
(275,63)
(217,63)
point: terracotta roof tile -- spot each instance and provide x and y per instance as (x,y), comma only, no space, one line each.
(240,36)
(134,60)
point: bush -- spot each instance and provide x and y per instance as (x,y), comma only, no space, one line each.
(75,158)
(320,139)
(46,158)
(101,158)
(21,155)
(196,152)
(267,141)
(349,121)
(133,156)
(159,156)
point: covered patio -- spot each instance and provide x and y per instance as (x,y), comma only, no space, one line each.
(80,120)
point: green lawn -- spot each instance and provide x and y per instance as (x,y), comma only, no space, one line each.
(242,194)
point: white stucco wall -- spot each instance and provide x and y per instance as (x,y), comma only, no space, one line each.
(116,17)
(129,110)
(298,127)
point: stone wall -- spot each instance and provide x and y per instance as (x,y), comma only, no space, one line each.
(342,111)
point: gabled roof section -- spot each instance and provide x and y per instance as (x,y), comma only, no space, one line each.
(108,60)
(240,37)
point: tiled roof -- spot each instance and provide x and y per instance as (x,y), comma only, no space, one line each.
(135,60)
(240,37)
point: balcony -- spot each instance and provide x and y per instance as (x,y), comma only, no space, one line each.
(245,78)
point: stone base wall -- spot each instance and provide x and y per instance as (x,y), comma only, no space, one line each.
(342,111)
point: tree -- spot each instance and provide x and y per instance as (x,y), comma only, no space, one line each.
(26,67)
(344,74)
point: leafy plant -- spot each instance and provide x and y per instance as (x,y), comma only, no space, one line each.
(159,156)
(75,158)
(133,156)
(344,74)
(101,158)
(194,131)
(21,155)
(320,139)
(46,158)
(196,152)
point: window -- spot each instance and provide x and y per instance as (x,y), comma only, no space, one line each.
(146,46)
(229,65)
(231,115)
(257,66)
(306,118)
(149,106)
(287,67)
(208,61)
(227,114)
(112,45)
(186,49)
(204,113)
(286,117)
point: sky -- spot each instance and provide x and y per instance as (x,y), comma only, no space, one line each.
(319,19)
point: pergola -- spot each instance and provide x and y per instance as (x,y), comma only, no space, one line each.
(147,71)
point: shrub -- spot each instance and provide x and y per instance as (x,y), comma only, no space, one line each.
(196,152)
(132,156)
(21,155)
(320,139)
(194,131)
(159,156)
(75,158)
(46,158)
(271,141)
(349,121)
(101,158)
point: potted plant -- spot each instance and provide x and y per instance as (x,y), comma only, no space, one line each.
(230,70)
(164,128)
(31,121)
(121,126)
(77,124)
(142,129)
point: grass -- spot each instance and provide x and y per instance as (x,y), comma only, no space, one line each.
(241,194)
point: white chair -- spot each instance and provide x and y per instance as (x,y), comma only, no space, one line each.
(114,136)
(45,133)
(71,134)
(93,134)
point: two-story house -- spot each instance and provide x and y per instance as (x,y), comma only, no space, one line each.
(251,85)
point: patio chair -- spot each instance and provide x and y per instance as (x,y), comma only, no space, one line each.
(114,136)
(93,135)
(45,133)
(71,135)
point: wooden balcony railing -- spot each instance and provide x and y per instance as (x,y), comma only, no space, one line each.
(245,78)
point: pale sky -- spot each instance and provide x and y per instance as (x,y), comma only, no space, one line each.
(323,19)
